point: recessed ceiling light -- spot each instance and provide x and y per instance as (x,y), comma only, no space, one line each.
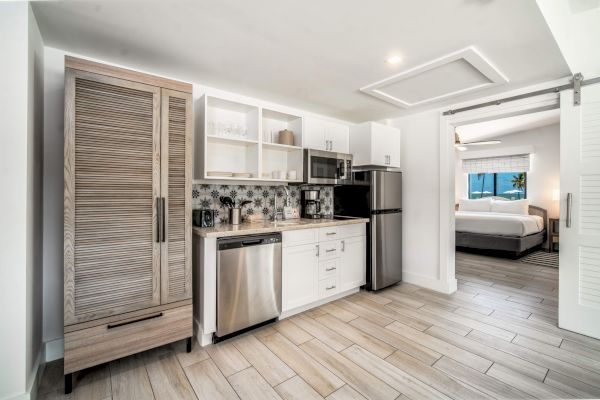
(393,60)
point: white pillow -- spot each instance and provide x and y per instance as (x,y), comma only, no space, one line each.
(478,205)
(511,207)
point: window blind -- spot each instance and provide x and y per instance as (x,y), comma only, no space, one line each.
(516,163)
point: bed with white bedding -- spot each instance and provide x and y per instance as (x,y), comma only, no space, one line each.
(491,223)
(501,227)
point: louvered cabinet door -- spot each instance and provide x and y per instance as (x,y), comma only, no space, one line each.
(112,181)
(176,188)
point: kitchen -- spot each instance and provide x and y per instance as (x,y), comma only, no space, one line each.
(321,236)
(234,201)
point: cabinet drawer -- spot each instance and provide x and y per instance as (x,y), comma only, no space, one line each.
(299,237)
(328,287)
(329,250)
(329,233)
(99,344)
(348,231)
(328,268)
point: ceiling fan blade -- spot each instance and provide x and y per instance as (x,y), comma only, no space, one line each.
(483,142)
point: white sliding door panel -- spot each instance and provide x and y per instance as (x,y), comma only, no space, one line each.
(579,275)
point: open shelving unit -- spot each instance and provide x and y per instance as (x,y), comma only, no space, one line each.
(242,138)
(281,158)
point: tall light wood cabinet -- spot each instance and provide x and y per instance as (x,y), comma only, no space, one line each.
(127,213)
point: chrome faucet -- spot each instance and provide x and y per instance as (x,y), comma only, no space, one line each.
(278,215)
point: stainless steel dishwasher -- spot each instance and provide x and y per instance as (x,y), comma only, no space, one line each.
(248,282)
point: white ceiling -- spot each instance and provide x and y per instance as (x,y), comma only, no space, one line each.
(313,55)
(497,128)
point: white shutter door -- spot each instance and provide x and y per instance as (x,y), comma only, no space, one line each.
(579,275)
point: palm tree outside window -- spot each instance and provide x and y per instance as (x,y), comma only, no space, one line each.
(510,185)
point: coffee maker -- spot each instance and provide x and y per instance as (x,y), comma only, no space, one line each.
(311,203)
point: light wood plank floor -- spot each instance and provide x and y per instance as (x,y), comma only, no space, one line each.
(496,337)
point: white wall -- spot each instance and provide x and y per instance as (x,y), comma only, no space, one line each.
(544,175)
(21,102)
(575,25)
(420,153)
(53,202)
(35,143)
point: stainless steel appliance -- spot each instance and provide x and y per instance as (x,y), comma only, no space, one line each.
(310,200)
(327,167)
(376,195)
(248,282)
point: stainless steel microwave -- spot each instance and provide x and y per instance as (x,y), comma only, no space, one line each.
(327,167)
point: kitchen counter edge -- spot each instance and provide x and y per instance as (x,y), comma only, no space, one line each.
(251,228)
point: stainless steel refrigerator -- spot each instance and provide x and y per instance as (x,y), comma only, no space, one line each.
(376,195)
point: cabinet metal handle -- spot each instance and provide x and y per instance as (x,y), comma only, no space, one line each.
(569,206)
(164,225)
(318,248)
(158,219)
(330,287)
(343,245)
(331,233)
(111,326)
(329,250)
(330,269)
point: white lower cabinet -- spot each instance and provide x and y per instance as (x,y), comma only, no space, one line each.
(298,276)
(323,268)
(352,262)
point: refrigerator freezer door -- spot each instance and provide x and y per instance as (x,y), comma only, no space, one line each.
(386,249)
(386,190)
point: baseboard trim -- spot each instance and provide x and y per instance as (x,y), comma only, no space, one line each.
(53,350)
(427,282)
(317,303)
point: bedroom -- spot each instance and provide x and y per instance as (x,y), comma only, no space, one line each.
(507,187)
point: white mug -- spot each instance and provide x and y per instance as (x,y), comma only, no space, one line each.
(292,175)
(278,174)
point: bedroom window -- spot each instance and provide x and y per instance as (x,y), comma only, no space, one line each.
(510,185)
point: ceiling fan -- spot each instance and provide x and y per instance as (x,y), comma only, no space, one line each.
(458,145)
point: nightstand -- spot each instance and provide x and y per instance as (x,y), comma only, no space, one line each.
(553,238)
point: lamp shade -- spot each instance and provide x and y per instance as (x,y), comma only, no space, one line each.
(555,195)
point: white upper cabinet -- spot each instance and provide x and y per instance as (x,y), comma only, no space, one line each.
(325,135)
(372,143)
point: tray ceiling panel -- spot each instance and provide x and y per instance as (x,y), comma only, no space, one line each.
(454,74)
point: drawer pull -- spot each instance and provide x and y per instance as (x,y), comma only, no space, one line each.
(330,233)
(110,326)
(330,287)
(329,250)
(343,245)
(330,269)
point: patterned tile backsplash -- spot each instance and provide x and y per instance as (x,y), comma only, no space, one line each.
(205,196)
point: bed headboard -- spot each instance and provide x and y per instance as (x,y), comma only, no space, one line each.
(542,212)
(533,210)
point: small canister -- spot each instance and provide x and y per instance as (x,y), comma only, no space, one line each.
(286,137)
(235,216)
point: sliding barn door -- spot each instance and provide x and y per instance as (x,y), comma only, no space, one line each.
(176,190)
(112,181)
(579,275)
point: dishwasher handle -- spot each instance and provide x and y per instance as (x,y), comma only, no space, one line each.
(237,242)
(247,243)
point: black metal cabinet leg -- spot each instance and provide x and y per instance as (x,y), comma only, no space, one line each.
(68,383)
(189,345)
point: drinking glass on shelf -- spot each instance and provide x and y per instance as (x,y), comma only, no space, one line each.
(228,129)
(244,131)
(211,128)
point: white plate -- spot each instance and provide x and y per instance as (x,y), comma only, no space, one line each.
(242,175)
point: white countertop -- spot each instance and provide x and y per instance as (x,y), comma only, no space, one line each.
(251,228)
